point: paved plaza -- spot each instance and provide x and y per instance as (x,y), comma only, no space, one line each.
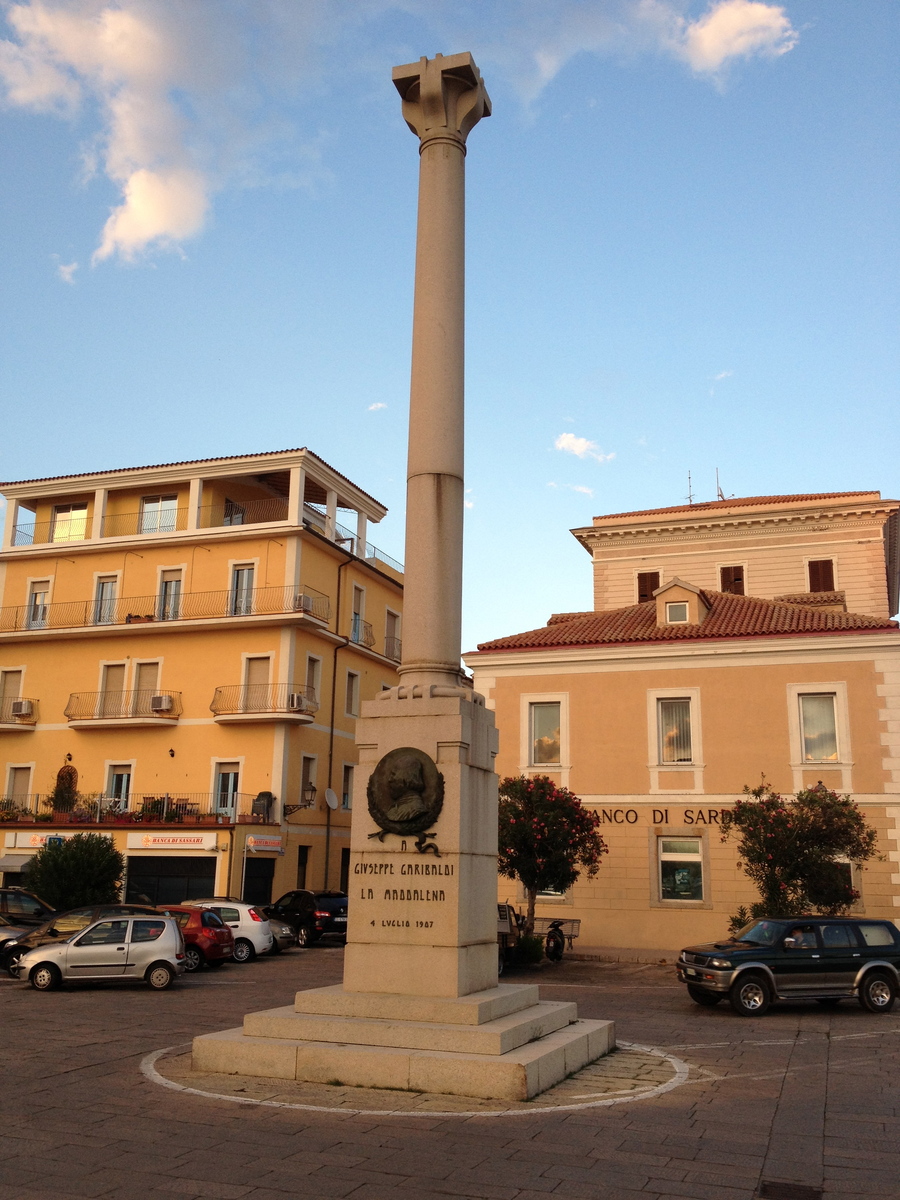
(806,1095)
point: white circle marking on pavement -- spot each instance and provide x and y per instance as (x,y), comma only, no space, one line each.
(148,1068)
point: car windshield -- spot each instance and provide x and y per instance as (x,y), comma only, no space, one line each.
(759,933)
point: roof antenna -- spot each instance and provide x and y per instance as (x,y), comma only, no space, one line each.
(719,493)
(690,496)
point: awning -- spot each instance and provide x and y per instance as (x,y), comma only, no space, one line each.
(14,862)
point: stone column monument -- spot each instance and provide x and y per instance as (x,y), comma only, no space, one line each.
(420,1006)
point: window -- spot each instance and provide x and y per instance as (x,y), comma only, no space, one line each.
(146,686)
(821,575)
(837,937)
(19,782)
(69,523)
(302,863)
(731,579)
(146,931)
(227,775)
(347,788)
(169,606)
(255,692)
(120,782)
(313,677)
(356,624)
(647,583)
(38,604)
(818,728)
(242,591)
(105,600)
(10,689)
(544,732)
(677,612)
(158,514)
(674,725)
(112,692)
(107,933)
(392,635)
(234,513)
(352,700)
(680,868)
(877,935)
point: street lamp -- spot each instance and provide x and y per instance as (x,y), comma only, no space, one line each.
(309,794)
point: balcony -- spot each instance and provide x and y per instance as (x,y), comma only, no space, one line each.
(168,808)
(392,648)
(252,702)
(315,517)
(361,632)
(186,606)
(132,524)
(105,710)
(18,714)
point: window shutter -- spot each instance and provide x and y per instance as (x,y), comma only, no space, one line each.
(732,580)
(648,582)
(821,575)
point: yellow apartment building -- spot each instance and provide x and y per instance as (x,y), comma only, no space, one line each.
(728,640)
(183,652)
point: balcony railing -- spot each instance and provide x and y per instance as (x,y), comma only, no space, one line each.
(315,515)
(18,710)
(144,522)
(264,698)
(187,606)
(247,512)
(361,632)
(392,648)
(60,529)
(116,706)
(157,808)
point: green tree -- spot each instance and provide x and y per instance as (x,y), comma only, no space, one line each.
(547,837)
(792,849)
(84,869)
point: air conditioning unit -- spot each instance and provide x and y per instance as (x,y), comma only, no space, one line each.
(303,603)
(21,708)
(297,702)
(160,704)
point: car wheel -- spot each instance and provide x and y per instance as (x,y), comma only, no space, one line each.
(877,992)
(750,995)
(243,951)
(501,960)
(160,976)
(193,959)
(45,977)
(699,996)
(276,946)
(304,937)
(12,962)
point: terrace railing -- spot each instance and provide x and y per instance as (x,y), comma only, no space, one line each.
(106,706)
(264,698)
(18,710)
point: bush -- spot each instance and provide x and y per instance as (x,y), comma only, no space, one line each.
(84,869)
(529,950)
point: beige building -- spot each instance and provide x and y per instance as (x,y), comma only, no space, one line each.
(728,640)
(190,644)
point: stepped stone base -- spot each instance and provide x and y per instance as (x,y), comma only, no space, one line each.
(502,1043)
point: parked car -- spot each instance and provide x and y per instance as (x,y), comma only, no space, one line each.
(23,908)
(297,909)
(8,930)
(147,948)
(331,915)
(250,926)
(283,935)
(64,925)
(827,959)
(207,939)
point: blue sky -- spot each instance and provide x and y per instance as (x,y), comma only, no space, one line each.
(682,253)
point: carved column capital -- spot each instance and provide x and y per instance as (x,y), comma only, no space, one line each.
(444,98)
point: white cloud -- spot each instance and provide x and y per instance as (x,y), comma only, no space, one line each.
(376,407)
(581,447)
(469,503)
(191,97)
(584,490)
(66,271)
(722,375)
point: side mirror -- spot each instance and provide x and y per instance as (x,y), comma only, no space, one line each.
(789,943)
(53,933)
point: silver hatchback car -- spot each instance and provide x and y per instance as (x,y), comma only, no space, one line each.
(148,948)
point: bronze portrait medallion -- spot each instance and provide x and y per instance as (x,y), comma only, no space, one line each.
(405,791)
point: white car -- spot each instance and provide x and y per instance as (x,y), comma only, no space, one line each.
(251,929)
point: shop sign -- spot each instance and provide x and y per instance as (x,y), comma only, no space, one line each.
(171,841)
(262,842)
(37,841)
(660,816)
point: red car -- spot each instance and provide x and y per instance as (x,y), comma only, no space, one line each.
(207,939)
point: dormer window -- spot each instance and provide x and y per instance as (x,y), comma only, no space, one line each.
(676,612)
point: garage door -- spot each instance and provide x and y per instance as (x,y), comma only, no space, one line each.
(169,879)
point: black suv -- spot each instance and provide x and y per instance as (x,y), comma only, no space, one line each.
(827,959)
(23,908)
(64,925)
(312,914)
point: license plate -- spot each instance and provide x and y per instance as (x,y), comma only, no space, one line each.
(340,919)
(690,971)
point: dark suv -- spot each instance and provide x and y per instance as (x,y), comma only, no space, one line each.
(23,908)
(827,959)
(312,914)
(64,925)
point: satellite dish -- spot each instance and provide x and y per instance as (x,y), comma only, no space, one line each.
(331,798)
